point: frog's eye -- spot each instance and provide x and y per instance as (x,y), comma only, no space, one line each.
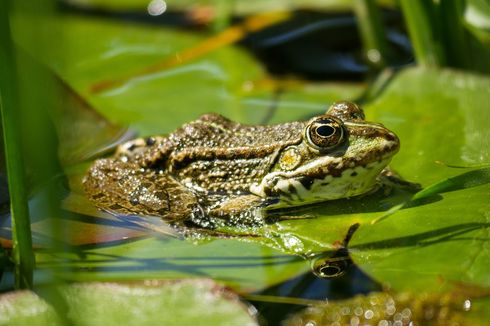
(324,133)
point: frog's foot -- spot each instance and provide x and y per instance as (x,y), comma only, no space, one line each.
(244,211)
(389,179)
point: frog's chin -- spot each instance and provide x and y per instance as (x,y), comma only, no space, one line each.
(305,189)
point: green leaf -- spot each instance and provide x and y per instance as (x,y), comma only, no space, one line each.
(26,308)
(477,22)
(440,116)
(246,267)
(465,180)
(200,302)
(227,81)
(440,239)
(477,16)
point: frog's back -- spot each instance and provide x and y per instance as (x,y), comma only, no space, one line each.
(216,131)
(211,134)
(216,155)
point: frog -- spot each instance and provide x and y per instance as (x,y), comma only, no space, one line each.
(214,172)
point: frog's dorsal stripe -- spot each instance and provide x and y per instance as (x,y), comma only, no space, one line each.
(370,130)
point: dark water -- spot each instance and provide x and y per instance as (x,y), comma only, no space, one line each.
(310,286)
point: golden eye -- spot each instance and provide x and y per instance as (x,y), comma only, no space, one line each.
(324,133)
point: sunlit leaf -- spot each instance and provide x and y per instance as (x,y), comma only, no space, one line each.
(24,308)
(200,302)
(228,36)
(228,81)
(74,120)
(477,16)
(442,238)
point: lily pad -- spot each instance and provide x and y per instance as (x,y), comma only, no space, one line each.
(226,81)
(441,240)
(200,302)
(24,308)
(246,267)
(112,50)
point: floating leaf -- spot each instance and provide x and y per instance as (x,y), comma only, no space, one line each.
(441,238)
(230,35)
(228,81)
(26,308)
(74,120)
(201,302)
(246,267)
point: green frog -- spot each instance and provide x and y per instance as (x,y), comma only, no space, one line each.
(214,172)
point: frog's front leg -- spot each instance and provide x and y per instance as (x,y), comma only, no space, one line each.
(246,210)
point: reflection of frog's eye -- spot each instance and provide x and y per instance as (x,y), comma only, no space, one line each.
(325,133)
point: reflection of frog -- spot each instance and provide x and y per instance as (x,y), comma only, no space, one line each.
(214,172)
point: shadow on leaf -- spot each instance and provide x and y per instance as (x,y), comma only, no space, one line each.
(450,233)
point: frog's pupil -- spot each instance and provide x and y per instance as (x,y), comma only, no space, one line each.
(325,131)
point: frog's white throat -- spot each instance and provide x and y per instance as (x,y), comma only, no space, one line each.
(295,188)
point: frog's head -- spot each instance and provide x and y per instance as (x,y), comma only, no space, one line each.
(340,155)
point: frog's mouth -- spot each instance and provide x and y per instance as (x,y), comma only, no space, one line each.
(330,177)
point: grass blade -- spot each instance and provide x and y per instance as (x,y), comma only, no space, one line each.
(21,228)
(456,41)
(423,27)
(372,33)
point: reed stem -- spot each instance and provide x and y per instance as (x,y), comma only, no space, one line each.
(456,43)
(424,30)
(23,255)
(372,32)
